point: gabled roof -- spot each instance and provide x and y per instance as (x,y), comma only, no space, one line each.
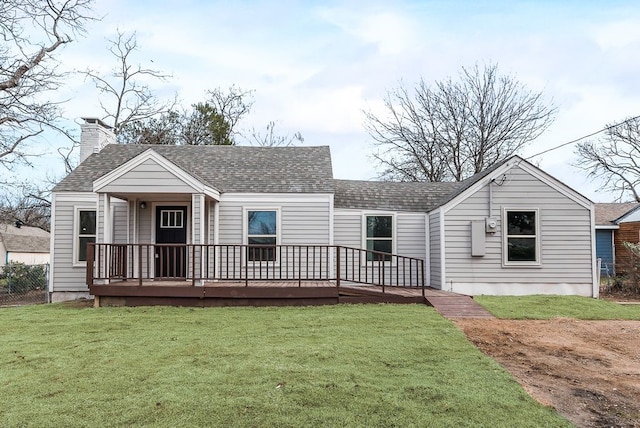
(24,239)
(392,196)
(230,169)
(476,181)
(607,214)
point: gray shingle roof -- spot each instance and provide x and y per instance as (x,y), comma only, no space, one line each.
(24,239)
(386,195)
(225,168)
(607,213)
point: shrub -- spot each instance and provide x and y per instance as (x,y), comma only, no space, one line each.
(22,278)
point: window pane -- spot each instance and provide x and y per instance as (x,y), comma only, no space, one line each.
(261,222)
(521,223)
(382,245)
(521,249)
(82,249)
(379,226)
(262,254)
(262,241)
(87,223)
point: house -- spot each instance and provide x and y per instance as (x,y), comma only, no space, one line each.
(616,223)
(23,244)
(212,214)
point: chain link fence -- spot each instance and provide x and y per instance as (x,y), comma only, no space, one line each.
(22,284)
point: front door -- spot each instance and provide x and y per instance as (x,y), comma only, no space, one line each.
(171,228)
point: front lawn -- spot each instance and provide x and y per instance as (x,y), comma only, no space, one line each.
(541,307)
(345,365)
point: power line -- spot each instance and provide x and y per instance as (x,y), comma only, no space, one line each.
(606,128)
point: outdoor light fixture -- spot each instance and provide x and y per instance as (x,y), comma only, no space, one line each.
(143,205)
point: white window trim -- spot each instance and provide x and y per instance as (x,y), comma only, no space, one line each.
(505,236)
(394,235)
(76,233)
(175,212)
(245,232)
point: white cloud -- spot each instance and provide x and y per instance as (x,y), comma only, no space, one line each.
(315,67)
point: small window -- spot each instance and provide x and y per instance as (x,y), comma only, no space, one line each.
(262,231)
(86,232)
(379,237)
(171,219)
(522,240)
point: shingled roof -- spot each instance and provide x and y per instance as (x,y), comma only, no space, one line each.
(224,168)
(607,213)
(387,195)
(24,239)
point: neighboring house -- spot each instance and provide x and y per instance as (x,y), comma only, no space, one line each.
(511,229)
(23,244)
(616,223)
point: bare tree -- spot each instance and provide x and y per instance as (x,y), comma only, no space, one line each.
(232,106)
(615,158)
(32,31)
(455,128)
(126,97)
(271,139)
(27,204)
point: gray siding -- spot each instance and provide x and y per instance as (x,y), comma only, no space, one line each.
(347,227)
(303,221)
(120,225)
(409,235)
(434,250)
(65,276)
(148,177)
(565,236)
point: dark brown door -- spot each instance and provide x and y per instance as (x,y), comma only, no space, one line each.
(171,228)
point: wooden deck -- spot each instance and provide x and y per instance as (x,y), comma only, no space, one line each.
(278,293)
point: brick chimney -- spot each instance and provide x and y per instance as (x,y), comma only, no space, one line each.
(94,136)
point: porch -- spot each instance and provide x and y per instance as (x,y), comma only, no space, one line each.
(255,275)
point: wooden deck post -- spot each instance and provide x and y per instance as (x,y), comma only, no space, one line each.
(90,263)
(338,266)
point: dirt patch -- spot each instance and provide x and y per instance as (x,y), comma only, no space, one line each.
(589,371)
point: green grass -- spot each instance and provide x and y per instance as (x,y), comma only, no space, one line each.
(344,366)
(547,307)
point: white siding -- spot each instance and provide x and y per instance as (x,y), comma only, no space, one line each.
(565,241)
(64,275)
(28,258)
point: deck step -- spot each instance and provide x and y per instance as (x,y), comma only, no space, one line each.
(458,306)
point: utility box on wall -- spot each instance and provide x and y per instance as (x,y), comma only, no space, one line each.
(491,225)
(478,241)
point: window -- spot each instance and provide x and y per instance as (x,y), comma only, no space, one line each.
(522,240)
(86,232)
(379,236)
(171,219)
(262,230)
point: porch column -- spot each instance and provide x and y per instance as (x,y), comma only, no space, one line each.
(104,231)
(104,224)
(198,233)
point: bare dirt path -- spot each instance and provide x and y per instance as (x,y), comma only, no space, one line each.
(588,370)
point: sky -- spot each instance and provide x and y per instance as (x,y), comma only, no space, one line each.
(315,66)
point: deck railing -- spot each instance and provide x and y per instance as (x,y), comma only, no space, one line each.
(245,263)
